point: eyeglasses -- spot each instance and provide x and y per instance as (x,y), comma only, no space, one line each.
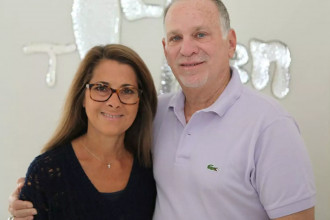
(100,92)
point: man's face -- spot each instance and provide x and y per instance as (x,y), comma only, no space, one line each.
(194,46)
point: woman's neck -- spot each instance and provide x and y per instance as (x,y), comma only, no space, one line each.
(107,147)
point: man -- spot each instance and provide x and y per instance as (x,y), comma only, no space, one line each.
(221,151)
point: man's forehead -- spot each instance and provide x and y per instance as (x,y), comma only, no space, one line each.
(186,17)
(191,8)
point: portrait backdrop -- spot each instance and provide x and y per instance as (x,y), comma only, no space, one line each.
(40,53)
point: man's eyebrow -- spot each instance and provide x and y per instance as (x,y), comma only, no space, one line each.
(172,33)
(177,32)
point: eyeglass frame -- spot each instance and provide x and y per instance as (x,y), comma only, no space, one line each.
(90,85)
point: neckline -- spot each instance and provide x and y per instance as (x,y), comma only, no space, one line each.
(89,183)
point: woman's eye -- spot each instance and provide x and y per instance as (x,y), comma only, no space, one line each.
(101,88)
(128,91)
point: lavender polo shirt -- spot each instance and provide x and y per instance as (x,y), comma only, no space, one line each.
(241,158)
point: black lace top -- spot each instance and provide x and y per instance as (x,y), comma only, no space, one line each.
(59,189)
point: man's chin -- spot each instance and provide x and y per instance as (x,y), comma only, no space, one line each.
(193,83)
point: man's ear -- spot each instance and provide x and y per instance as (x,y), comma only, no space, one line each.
(232,41)
(164,46)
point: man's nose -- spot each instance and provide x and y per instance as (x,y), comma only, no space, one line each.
(188,47)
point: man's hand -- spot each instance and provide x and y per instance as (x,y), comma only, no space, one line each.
(21,210)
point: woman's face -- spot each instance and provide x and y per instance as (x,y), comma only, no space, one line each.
(112,117)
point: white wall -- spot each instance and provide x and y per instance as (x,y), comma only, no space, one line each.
(30,110)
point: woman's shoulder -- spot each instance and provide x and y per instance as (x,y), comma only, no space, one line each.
(49,161)
(142,174)
(54,153)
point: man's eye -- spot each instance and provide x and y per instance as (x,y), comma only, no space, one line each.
(200,35)
(174,38)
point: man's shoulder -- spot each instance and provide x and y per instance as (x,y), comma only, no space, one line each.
(164,99)
(262,103)
(164,102)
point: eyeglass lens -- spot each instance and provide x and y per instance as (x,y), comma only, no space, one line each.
(127,94)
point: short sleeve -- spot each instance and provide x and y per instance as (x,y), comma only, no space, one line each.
(284,177)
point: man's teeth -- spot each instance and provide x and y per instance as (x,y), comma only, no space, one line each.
(111,116)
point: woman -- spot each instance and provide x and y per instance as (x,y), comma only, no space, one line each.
(98,163)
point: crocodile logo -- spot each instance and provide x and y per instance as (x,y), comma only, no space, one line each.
(211,167)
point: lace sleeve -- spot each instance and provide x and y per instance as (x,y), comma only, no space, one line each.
(37,185)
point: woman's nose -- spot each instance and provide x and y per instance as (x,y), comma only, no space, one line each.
(114,100)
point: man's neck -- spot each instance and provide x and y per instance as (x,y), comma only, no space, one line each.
(203,97)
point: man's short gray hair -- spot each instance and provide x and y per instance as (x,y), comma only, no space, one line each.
(224,16)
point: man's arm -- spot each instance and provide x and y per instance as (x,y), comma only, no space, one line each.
(21,210)
(307,214)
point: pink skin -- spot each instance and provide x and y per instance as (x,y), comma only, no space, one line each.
(111,118)
(195,47)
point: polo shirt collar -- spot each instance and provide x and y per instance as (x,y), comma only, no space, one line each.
(229,96)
